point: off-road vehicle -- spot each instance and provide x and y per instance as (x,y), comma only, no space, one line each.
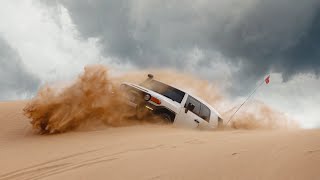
(175,106)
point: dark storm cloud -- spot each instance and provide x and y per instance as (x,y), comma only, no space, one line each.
(107,20)
(277,35)
(15,80)
(152,35)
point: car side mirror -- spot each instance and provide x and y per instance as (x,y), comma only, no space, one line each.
(190,107)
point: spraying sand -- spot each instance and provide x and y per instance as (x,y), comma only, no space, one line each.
(92,98)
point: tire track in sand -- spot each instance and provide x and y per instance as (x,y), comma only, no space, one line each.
(68,163)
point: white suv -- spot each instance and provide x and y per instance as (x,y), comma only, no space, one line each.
(173,105)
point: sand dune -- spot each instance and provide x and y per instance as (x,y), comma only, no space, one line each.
(154,152)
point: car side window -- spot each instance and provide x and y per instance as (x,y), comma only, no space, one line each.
(205,112)
(196,104)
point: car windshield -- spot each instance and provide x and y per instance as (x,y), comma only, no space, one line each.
(165,90)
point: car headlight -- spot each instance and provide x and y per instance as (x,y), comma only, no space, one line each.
(147,97)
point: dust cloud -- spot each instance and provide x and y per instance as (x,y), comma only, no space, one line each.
(94,98)
(262,116)
(91,99)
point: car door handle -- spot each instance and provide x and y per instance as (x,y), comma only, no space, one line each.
(196,121)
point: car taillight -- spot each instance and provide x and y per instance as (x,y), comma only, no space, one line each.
(155,100)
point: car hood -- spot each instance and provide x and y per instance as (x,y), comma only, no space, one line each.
(169,103)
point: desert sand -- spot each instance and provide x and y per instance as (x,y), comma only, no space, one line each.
(154,152)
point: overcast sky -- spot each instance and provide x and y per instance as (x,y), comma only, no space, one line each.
(234,43)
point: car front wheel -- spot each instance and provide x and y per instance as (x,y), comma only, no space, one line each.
(166,117)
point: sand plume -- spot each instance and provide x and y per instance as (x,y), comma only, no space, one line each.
(92,97)
(261,116)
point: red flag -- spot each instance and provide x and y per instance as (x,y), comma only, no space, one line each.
(267,80)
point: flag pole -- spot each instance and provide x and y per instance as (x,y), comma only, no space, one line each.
(257,87)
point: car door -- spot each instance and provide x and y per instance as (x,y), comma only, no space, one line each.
(190,118)
(205,114)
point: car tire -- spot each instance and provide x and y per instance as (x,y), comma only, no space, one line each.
(166,117)
(220,124)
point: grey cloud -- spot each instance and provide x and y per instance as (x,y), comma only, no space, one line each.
(261,36)
(280,35)
(15,79)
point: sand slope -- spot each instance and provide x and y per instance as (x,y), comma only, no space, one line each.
(154,152)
